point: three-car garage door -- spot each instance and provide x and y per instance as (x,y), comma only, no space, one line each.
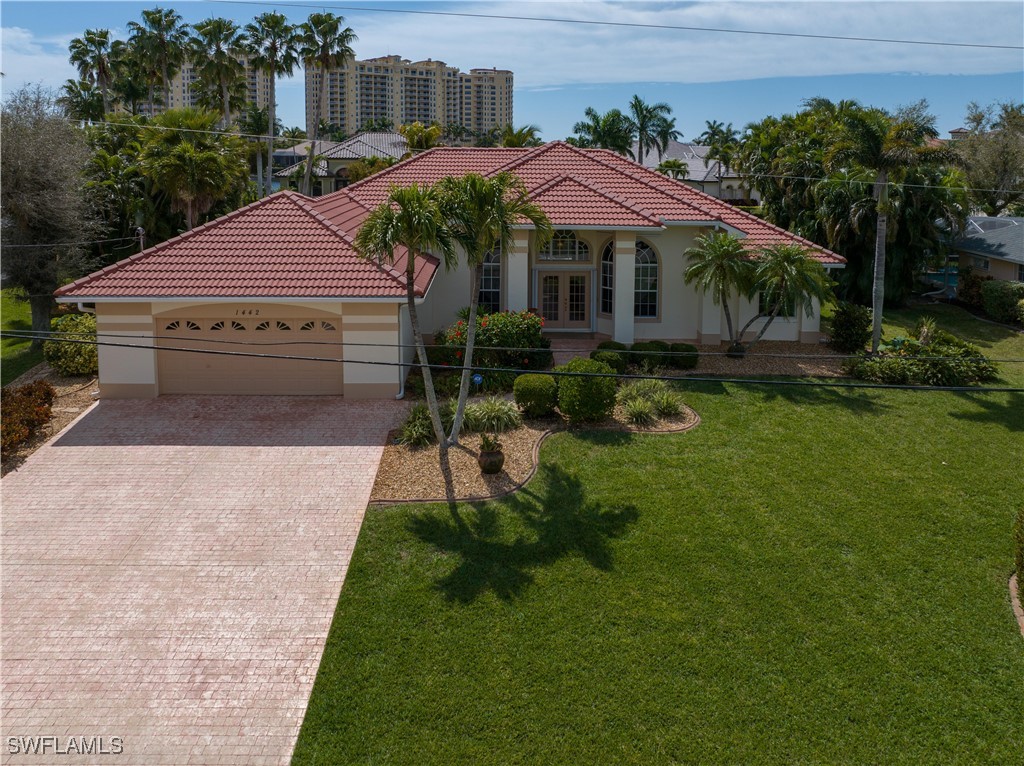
(185,372)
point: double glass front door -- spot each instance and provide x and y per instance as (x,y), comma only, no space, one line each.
(565,300)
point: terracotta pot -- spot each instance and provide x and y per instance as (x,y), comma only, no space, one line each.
(491,461)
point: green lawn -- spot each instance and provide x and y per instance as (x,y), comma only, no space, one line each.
(16,356)
(810,576)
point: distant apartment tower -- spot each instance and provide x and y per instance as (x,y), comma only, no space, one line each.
(185,93)
(403,91)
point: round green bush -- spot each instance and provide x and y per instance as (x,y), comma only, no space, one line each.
(1000,298)
(611,345)
(73,358)
(586,399)
(1020,311)
(685,356)
(536,394)
(851,328)
(613,359)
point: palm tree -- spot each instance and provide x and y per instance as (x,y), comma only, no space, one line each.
(256,122)
(610,130)
(723,144)
(162,38)
(524,135)
(673,168)
(719,264)
(273,46)
(421,137)
(94,54)
(81,100)
(293,132)
(324,46)
(650,126)
(410,219)
(481,214)
(888,146)
(196,167)
(215,48)
(787,277)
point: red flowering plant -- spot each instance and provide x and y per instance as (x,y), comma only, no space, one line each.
(500,338)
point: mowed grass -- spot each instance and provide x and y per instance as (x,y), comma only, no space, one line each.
(810,576)
(16,354)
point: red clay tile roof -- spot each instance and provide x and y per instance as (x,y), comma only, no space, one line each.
(276,247)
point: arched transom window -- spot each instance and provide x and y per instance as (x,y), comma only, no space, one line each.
(564,246)
(645,291)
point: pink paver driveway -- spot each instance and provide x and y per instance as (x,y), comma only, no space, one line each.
(170,571)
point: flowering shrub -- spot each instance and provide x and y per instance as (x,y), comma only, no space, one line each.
(495,333)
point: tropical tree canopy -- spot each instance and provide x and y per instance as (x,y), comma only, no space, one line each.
(611,130)
(94,54)
(673,168)
(524,135)
(993,156)
(421,137)
(215,47)
(718,263)
(160,39)
(651,126)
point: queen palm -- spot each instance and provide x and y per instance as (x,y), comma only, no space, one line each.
(888,146)
(524,135)
(723,145)
(215,47)
(787,277)
(273,46)
(81,100)
(673,168)
(610,130)
(719,264)
(409,223)
(162,39)
(324,45)
(94,54)
(481,214)
(651,126)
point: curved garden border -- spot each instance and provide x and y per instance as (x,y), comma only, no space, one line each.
(535,460)
(1018,610)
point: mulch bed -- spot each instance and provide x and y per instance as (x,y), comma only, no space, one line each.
(408,474)
(74,396)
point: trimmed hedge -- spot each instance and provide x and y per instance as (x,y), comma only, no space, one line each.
(685,356)
(650,354)
(24,410)
(612,345)
(851,328)
(1020,311)
(1000,300)
(586,399)
(613,359)
(536,394)
(73,358)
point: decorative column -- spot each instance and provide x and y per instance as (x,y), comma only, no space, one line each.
(517,273)
(625,285)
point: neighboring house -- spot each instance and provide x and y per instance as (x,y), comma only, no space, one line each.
(284,270)
(703,173)
(332,168)
(993,246)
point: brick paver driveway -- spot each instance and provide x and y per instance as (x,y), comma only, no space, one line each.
(170,570)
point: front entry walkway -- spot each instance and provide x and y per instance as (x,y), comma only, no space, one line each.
(170,570)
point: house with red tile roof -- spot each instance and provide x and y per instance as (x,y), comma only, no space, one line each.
(282,277)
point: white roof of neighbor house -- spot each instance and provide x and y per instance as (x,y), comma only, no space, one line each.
(699,168)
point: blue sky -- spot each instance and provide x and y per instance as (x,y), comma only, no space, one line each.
(563,68)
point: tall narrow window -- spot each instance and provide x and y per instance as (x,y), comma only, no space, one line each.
(564,246)
(645,301)
(490,283)
(608,279)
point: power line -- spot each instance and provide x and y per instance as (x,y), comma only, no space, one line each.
(151,126)
(555,373)
(628,24)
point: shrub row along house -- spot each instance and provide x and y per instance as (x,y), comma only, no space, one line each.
(284,270)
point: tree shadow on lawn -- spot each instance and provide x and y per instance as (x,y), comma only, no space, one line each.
(561,522)
(858,402)
(992,408)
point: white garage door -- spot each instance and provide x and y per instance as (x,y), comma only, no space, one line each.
(181,372)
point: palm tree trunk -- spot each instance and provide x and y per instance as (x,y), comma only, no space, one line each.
(728,314)
(40,306)
(307,179)
(151,96)
(227,106)
(272,113)
(467,363)
(878,285)
(259,169)
(421,352)
(167,88)
(771,318)
(188,215)
(106,97)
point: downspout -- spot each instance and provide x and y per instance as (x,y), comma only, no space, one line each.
(401,351)
(84,310)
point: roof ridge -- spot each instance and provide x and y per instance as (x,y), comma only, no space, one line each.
(386,171)
(556,180)
(529,154)
(178,238)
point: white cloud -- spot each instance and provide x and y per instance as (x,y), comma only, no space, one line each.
(25,58)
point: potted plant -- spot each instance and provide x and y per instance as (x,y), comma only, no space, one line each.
(491,458)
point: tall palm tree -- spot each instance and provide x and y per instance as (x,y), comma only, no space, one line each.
(888,146)
(162,38)
(788,278)
(718,263)
(94,54)
(524,135)
(324,45)
(650,126)
(293,132)
(411,219)
(421,137)
(723,145)
(256,122)
(215,47)
(185,158)
(673,168)
(481,214)
(273,46)
(610,130)
(81,100)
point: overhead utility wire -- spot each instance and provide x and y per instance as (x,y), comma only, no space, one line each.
(58,335)
(148,126)
(626,24)
(554,373)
